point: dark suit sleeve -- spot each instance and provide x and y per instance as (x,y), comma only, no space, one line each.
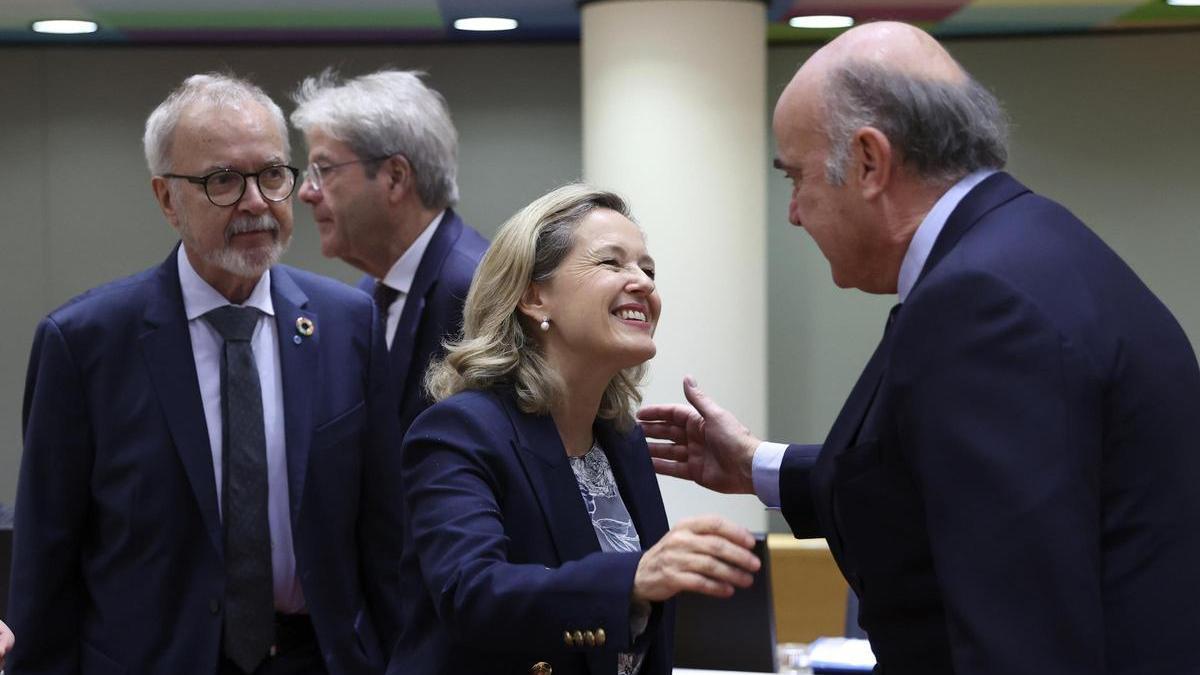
(461,538)
(47,594)
(381,513)
(795,490)
(999,418)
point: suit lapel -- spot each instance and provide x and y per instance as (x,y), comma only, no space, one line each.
(299,372)
(167,348)
(638,491)
(842,435)
(540,451)
(424,280)
(994,191)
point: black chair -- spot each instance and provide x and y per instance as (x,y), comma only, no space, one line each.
(853,630)
(736,633)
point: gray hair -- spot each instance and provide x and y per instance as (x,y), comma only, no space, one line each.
(215,89)
(943,130)
(389,112)
(498,347)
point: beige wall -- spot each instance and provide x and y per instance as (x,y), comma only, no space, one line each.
(1103,124)
(78,209)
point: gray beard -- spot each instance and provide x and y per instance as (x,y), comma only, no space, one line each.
(249,264)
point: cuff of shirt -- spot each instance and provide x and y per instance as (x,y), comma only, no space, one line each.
(765,472)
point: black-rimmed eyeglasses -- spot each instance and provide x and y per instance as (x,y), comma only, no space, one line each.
(225,187)
(314,171)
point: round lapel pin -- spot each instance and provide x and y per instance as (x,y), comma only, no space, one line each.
(304,326)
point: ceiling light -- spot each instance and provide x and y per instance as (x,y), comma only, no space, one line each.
(485,23)
(64,26)
(1184,3)
(821,21)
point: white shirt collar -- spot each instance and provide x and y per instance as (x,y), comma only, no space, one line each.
(199,297)
(404,270)
(929,229)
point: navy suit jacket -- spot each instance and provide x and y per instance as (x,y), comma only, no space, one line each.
(1011,487)
(432,309)
(118,554)
(501,557)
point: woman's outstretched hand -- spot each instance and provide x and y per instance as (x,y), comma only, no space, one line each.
(708,555)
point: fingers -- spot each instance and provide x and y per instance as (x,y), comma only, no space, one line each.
(667,413)
(665,467)
(703,404)
(676,433)
(720,527)
(708,555)
(670,451)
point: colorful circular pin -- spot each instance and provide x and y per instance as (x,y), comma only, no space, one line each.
(304,326)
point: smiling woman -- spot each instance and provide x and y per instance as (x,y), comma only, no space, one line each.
(538,540)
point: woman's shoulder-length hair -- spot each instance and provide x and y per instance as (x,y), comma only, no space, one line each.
(497,349)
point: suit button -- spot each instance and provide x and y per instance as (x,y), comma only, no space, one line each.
(540,668)
(600,637)
(214,606)
(567,639)
(578,636)
(589,638)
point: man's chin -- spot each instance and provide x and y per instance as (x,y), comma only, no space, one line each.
(249,263)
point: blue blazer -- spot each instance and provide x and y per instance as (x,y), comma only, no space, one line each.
(118,554)
(1011,487)
(501,558)
(432,310)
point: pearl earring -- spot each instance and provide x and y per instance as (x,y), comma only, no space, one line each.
(545,324)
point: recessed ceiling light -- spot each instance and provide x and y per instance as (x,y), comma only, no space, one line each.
(64,26)
(485,23)
(821,21)
(1184,3)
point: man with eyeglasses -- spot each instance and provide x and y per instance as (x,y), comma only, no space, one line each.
(210,467)
(381,182)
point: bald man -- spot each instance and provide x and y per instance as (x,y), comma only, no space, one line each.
(1011,486)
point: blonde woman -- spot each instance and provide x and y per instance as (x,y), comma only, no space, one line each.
(537,541)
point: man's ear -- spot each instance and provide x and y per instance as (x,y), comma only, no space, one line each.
(399,176)
(165,199)
(873,156)
(533,304)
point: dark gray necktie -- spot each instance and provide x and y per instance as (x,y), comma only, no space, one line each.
(384,297)
(249,591)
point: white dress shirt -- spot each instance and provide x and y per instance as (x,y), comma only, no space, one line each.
(198,299)
(401,276)
(769,456)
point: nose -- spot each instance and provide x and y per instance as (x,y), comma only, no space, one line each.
(640,282)
(309,194)
(794,214)
(252,199)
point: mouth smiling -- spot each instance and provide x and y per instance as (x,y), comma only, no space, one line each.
(631,313)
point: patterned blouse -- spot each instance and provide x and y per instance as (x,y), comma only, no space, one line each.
(614,529)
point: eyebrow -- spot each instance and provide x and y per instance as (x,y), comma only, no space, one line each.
(618,249)
(273,160)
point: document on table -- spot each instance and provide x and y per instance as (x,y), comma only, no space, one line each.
(841,655)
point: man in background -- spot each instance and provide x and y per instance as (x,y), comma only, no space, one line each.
(382,181)
(1010,487)
(209,476)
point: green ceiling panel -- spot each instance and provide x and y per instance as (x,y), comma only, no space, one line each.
(1160,12)
(1024,19)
